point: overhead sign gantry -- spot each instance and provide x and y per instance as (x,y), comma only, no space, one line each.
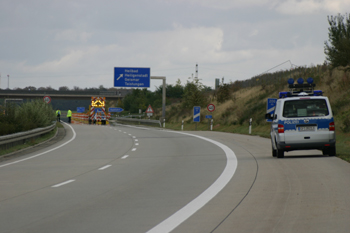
(132,77)
(138,77)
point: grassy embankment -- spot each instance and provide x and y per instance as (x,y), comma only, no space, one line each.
(27,116)
(233,115)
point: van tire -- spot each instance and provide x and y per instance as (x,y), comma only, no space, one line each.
(274,152)
(330,151)
(280,153)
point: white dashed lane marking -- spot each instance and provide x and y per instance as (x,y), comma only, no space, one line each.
(63,183)
(105,167)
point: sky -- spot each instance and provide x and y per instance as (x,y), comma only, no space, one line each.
(78,43)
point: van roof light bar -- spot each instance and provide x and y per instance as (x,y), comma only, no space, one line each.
(300,88)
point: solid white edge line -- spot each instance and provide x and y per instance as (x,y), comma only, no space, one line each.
(63,183)
(187,211)
(105,167)
(34,156)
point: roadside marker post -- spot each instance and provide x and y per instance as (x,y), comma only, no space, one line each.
(250,126)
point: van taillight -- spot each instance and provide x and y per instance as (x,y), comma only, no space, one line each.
(280,128)
(331,126)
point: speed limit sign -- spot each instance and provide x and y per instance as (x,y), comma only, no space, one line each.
(211,107)
(47,99)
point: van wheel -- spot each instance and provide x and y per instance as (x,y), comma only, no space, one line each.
(329,151)
(274,152)
(280,153)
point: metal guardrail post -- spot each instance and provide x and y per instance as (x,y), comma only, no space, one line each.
(12,138)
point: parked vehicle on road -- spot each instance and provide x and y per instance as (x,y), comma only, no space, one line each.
(302,120)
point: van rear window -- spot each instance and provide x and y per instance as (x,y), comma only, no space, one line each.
(305,108)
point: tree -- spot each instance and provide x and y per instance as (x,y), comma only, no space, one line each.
(337,49)
(224,93)
(63,88)
(193,94)
(30,88)
(101,88)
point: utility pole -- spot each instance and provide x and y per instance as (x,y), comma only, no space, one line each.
(8,81)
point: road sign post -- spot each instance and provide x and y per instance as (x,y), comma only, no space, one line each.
(196,114)
(80,109)
(132,77)
(149,111)
(115,109)
(270,108)
(47,99)
(211,107)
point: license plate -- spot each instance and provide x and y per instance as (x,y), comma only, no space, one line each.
(307,128)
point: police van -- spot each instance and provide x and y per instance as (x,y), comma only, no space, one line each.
(301,119)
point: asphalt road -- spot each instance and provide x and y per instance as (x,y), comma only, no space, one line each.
(127,179)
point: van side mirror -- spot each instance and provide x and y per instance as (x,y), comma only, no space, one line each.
(268,116)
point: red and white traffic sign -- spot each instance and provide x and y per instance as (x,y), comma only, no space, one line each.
(149,109)
(211,107)
(47,99)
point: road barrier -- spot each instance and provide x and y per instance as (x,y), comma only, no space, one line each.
(80,118)
(8,141)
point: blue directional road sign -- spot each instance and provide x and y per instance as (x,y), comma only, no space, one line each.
(196,114)
(132,77)
(80,109)
(98,110)
(270,108)
(115,109)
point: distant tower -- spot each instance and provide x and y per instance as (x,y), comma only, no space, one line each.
(217,83)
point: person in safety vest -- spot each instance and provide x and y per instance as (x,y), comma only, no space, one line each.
(69,115)
(58,115)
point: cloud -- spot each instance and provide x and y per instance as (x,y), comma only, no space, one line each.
(72,35)
(298,7)
(227,4)
(289,7)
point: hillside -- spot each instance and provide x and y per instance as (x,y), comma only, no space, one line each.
(248,100)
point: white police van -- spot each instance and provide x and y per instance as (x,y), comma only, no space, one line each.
(302,119)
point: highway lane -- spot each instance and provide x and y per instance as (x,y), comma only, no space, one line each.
(107,180)
(124,179)
(304,192)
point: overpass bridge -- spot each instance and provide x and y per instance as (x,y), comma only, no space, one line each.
(68,95)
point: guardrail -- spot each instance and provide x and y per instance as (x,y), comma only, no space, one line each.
(8,141)
(137,121)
